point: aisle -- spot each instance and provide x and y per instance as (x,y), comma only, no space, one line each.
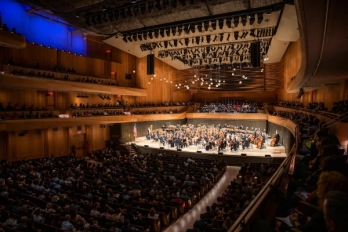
(188,219)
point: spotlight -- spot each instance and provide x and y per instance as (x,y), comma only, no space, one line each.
(145,35)
(110,16)
(229,23)
(174,30)
(162,32)
(77,15)
(199,27)
(116,14)
(259,17)
(251,19)
(179,30)
(123,13)
(221,37)
(269,12)
(206,25)
(213,25)
(104,8)
(186,41)
(236,33)
(173,3)
(158,5)
(236,21)
(134,36)
(193,28)
(165,44)
(125,38)
(140,36)
(244,20)
(156,33)
(143,8)
(136,10)
(186,29)
(150,35)
(208,38)
(150,6)
(168,32)
(183,2)
(129,12)
(221,23)
(198,39)
(175,43)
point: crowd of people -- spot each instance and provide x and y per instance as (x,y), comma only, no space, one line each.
(320,175)
(95,106)
(96,113)
(66,77)
(27,115)
(153,104)
(123,192)
(221,215)
(141,112)
(228,106)
(340,107)
(16,107)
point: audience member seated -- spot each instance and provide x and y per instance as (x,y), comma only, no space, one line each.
(123,191)
(228,106)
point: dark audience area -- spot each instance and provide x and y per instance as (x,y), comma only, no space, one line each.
(142,112)
(340,107)
(16,112)
(228,106)
(154,104)
(320,168)
(90,113)
(239,194)
(118,191)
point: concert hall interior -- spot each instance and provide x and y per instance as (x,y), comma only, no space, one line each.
(173,115)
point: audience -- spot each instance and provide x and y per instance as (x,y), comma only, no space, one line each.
(228,106)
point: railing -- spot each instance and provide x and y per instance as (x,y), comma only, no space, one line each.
(278,180)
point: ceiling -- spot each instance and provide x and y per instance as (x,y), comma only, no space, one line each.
(210,37)
(323,27)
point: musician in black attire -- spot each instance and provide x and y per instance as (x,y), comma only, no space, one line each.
(277,136)
(246,143)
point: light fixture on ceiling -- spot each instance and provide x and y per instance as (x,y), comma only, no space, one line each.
(236,21)
(221,23)
(259,17)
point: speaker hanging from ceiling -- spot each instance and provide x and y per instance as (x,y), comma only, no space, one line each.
(150,64)
(255,55)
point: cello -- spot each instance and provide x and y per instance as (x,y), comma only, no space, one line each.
(259,143)
(272,143)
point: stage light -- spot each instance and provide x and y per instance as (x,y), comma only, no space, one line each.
(145,35)
(179,30)
(168,32)
(259,17)
(125,39)
(134,36)
(206,25)
(162,32)
(199,27)
(244,20)
(140,36)
(221,23)
(229,22)
(208,38)
(213,24)
(156,33)
(192,27)
(186,29)
(236,21)
(236,34)
(251,19)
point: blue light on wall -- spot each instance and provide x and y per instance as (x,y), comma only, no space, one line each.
(41,30)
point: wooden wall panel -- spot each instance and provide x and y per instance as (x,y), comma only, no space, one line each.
(33,54)
(292,64)
(58,142)
(258,97)
(29,146)
(3,146)
(21,96)
(97,136)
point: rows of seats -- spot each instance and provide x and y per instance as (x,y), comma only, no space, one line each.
(16,107)
(152,104)
(95,106)
(17,115)
(96,113)
(320,173)
(222,214)
(228,106)
(141,112)
(340,107)
(123,192)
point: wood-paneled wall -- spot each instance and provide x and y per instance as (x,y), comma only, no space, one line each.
(259,97)
(292,64)
(22,96)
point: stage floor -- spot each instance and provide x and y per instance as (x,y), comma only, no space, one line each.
(277,152)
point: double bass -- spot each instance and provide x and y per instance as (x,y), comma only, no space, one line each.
(259,143)
(272,143)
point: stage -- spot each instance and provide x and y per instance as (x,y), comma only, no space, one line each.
(253,154)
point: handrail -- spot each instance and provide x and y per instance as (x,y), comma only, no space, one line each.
(240,222)
(336,120)
(286,167)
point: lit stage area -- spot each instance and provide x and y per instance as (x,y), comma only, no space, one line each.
(249,155)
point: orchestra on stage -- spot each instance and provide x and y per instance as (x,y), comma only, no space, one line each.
(210,137)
